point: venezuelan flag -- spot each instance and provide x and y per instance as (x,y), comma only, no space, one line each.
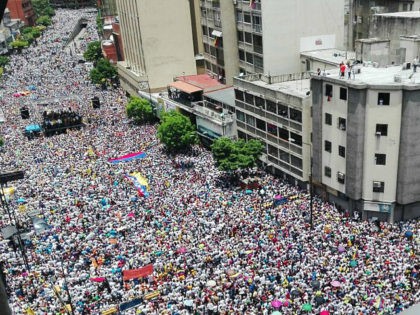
(140,183)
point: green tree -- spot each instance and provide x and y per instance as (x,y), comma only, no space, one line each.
(42,7)
(176,131)
(233,155)
(139,109)
(19,44)
(4,60)
(102,72)
(1,141)
(44,20)
(93,52)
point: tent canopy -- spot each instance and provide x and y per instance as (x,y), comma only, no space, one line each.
(185,87)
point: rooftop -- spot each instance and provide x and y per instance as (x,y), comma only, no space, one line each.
(390,76)
(407,14)
(331,56)
(293,84)
(202,81)
(226,96)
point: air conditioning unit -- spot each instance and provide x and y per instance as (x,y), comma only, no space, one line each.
(377,184)
(341,176)
(235,1)
(378,134)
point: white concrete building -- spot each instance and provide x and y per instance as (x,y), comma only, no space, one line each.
(365,140)
(243,36)
(158,43)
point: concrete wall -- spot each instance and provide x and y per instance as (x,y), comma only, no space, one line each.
(291,26)
(230,41)
(356,107)
(317,119)
(409,158)
(388,27)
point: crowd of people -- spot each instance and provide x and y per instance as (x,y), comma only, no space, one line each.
(215,248)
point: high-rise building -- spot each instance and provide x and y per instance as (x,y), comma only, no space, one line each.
(158,43)
(107,8)
(366,146)
(22,10)
(253,36)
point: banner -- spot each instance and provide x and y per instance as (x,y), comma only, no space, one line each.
(128,157)
(137,273)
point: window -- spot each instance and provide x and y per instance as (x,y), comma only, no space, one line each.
(341,123)
(328,119)
(295,161)
(261,124)
(240,116)
(248,38)
(327,171)
(383,98)
(249,58)
(250,120)
(282,110)
(271,106)
(327,146)
(284,156)
(239,95)
(259,102)
(284,134)
(239,16)
(378,187)
(240,36)
(249,98)
(272,150)
(204,30)
(381,129)
(343,94)
(341,151)
(341,177)
(241,55)
(297,139)
(272,129)
(380,159)
(328,90)
(247,18)
(296,115)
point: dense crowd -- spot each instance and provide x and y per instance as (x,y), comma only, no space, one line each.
(215,248)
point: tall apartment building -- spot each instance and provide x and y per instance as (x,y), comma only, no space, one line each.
(158,43)
(253,36)
(107,7)
(22,10)
(366,148)
(277,111)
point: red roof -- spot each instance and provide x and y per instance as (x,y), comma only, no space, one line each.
(203,81)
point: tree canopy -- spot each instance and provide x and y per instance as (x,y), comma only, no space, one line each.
(232,155)
(93,52)
(42,7)
(176,131)
(139,109)
(19,44)
(4,60)
(103,71)
(44,20)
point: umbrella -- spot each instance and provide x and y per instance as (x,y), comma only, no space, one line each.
(286,303)
(32,87)
(16,95)
(211,283)
(408,234)
(319,300)
(276,303)
(336,284)
(324,313)
(307,307)
(353,263)
(341,248)
(294,293)
(21,200)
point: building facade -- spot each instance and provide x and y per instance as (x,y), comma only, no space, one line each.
(253,36)
(22,10)
(277,111)
(366,147)
(151,60)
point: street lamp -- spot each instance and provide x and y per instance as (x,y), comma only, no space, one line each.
(310,184)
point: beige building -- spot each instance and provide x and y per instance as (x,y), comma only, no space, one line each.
(158,43)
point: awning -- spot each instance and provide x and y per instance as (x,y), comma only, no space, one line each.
(185,87)
(216,33)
